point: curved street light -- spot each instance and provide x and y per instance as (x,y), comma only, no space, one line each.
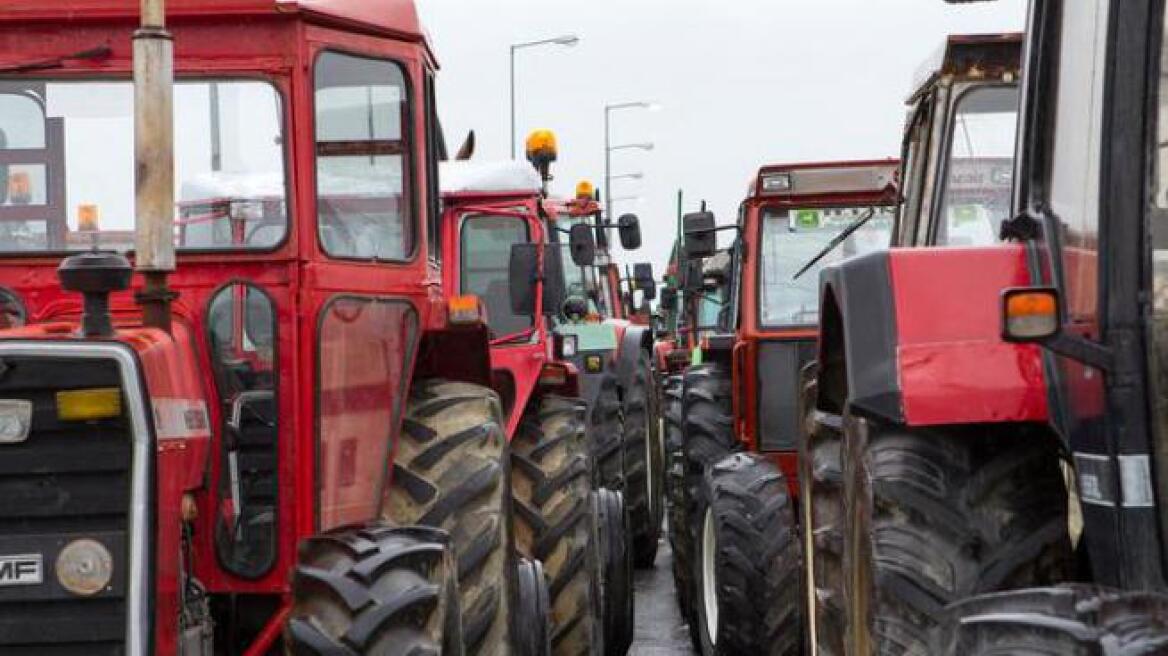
(566,40)
(608,147)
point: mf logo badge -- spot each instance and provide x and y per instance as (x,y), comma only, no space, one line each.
(27,569)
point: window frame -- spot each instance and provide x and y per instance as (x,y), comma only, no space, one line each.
(471,216)
(282,91)
(410,223)
(220,453)
(957,96)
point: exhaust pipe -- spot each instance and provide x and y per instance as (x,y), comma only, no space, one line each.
(154,163)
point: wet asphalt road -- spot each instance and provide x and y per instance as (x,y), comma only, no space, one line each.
(659,629)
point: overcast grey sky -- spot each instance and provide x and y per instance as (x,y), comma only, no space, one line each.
(741,82)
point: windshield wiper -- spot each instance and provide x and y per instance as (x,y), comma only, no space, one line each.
(839,239)
(100,52)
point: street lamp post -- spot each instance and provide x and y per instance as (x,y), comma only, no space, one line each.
(608,147)
(567,40)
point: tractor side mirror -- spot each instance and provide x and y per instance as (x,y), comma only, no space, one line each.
(644,281)
(629,227)
(668,299)
(700,238)
(582,244)
(523,272)
(1030,314)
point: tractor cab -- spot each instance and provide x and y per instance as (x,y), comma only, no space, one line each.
(1090,211)
(756,307)
(958,148)
(180,435)
(496,247)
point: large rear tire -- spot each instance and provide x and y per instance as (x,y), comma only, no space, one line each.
(747,561)
(553,519)
(604,431)
(378,591)
(452,471)
(1070,620)
(644,463)
(935,516)
(821,508)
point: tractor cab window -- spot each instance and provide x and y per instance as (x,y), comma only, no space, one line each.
(486,256)
(362,158)
(586,282)
(67,165)
(792,237)
(241,324)
(978,180)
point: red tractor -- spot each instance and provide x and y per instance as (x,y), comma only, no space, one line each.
(292,428)
(932,468)
(499,236)
(1089,253)
(738,401)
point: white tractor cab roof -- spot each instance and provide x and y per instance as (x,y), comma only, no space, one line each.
(488,177)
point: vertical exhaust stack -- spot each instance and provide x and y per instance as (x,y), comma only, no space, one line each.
(154,162)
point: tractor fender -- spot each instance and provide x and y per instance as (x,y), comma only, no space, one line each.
(634,340)
(857,345)
(913,336)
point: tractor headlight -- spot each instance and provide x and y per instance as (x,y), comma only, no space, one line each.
(15,420)
(84,567)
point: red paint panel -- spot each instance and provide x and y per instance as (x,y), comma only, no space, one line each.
(953,294)
(972,382)
(399,16)
(953,365)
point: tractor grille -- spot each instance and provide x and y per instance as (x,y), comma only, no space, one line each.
(779,363)
(68,480)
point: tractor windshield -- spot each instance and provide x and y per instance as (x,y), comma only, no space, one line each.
(581,281)
(793,236)
(979,176)
(67,165)
(486,256)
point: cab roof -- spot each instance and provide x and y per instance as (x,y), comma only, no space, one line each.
(870,178)
(390,17)
(970,56)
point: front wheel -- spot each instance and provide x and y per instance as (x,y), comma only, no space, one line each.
(379,591)
(747,565)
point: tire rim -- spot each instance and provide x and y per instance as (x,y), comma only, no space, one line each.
(709,577)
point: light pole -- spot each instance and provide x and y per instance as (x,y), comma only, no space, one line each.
(608,147)
(629,176)
(567,40)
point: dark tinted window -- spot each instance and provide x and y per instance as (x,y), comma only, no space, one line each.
(242,333)
(486,255)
